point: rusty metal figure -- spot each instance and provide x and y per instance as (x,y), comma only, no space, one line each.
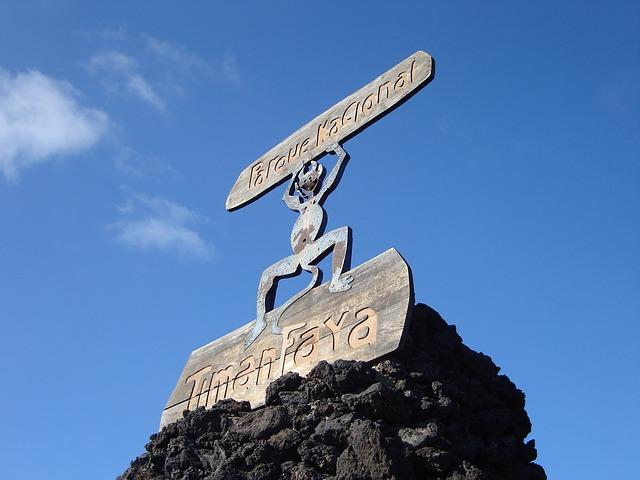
(309,244)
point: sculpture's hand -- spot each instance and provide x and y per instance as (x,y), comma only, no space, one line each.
(333,148)
(337,149)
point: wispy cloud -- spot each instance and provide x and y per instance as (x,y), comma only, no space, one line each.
(178,59)
(175,55)
(136,165)
(619,91)
(119,73)
(117,33)
(230,68)
(155,70)
(154,223)
(41,117)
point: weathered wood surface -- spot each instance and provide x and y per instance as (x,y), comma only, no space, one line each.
(363,323)
(338,123)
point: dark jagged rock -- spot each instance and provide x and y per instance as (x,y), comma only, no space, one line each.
(433,410)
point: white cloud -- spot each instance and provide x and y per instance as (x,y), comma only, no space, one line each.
(119,72)
(619,92)
(176,55)
(188,63)
(118,33)
(230,68)
(155,70)
(153,223)
(136,165)
(40,117)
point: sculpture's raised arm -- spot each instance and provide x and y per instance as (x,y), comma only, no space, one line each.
(333,178)
(292,201)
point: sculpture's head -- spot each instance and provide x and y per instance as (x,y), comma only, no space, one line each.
(309,178)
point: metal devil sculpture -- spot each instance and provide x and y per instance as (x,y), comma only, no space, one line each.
(308,242)
(360,313)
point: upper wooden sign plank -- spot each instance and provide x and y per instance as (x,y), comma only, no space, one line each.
(340,122)
(363,323)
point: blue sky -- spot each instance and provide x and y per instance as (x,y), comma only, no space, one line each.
(510,184)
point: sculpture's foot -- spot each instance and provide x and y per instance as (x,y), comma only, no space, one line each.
(257,329)
(275,328)
(340,284)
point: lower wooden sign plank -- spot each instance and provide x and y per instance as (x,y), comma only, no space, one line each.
(363,323)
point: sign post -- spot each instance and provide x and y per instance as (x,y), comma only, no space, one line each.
(360,314)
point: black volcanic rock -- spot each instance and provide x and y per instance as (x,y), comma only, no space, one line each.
(433,410)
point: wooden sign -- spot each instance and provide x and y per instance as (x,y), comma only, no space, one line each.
(363,323)
(340,122)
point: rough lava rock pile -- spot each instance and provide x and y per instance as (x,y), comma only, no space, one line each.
(433,410)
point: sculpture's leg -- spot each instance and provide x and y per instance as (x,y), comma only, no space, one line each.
(283,268)
(315,275)
(340,240)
